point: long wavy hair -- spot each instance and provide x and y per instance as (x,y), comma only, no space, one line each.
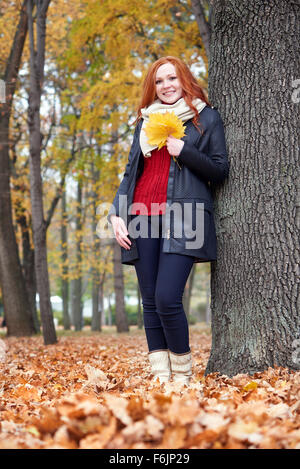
(190,87)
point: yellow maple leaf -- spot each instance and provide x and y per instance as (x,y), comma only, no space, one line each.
(161,125)
(250,386)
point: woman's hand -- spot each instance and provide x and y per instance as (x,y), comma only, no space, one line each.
(174,145)
(120,231)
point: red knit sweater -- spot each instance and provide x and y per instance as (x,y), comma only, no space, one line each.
(151,187)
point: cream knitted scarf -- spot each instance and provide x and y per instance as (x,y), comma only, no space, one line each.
(180,108)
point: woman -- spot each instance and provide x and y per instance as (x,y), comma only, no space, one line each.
(177,176)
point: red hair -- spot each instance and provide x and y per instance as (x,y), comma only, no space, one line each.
(190,87)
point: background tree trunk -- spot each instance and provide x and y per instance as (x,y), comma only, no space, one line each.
(97,282)
(28,267)
(64,258)
(207,309)
(15,300)
(77,292)
(204,25)
(140,322)
(97,313)
(121,317)
(255,281)
(109,313)
(37,59)
(187,294)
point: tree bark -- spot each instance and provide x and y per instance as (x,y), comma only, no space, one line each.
(64,258)
(255,281)
(97,278)
(15,300)
(97,306)
(37,59)
(77,292)
(28,265)
(207,310)
(121,317)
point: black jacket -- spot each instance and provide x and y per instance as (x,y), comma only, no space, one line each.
(202,159)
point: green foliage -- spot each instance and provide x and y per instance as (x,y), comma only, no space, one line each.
(131,312)
(192,320)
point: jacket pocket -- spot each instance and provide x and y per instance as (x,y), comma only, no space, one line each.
(186,217)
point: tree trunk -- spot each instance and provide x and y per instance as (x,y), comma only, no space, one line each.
(97,313)
(207,310)
(121,318)
(185,302)
(77,292)
(15,300)
(187,294)
(2,317)
(37,59)
(203,25)
(103,315)
(64,258)
(109,314)
(28,266)
(97,283)
(255,281)
(96,307)
(140,321)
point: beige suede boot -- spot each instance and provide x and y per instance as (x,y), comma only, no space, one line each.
(181,367)
(160,365)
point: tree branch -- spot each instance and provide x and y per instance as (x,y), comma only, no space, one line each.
(203,25)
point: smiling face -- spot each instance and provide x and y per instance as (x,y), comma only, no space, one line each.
(167,85)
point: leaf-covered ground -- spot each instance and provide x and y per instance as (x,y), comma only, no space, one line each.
(96,392)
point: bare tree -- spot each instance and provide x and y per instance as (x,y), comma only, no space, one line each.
(37,60)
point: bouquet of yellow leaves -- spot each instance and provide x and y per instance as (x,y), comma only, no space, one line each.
(160,126)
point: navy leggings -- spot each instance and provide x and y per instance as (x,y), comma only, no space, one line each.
(162,278)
